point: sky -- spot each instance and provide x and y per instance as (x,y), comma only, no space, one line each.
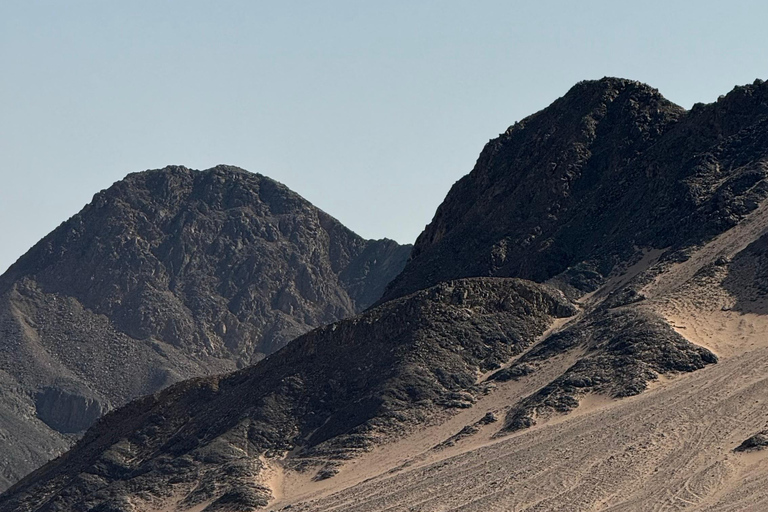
(370,110)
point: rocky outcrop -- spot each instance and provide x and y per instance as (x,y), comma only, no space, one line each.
(169,274)
(756,442)
(626,348)
(67,412)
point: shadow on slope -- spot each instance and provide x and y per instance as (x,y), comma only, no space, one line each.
(747,278)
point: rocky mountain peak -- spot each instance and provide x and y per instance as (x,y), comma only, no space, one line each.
(610,167)
(164,251)
(169,274)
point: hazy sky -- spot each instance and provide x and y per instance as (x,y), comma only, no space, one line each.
(371,110)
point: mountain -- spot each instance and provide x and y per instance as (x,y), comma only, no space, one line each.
(168,274)
(581,327)
(579,187)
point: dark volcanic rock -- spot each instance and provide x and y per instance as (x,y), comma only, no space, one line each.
(223,262)
(331,393)
(578,187)
(67,412)
(758,441)
(167,275)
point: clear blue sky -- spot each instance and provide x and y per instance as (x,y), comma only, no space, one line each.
(371,110)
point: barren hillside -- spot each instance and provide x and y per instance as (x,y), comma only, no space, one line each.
(168,274)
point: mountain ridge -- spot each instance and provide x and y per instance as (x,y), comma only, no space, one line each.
(620,135)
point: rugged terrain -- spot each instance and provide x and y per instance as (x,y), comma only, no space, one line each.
(579,187)
(168,274)
(583,326)
(690,441)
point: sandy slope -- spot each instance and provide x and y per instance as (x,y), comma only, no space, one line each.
(670,448)
(667,449)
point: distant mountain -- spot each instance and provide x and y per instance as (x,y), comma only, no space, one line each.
(581,327)
(167,275)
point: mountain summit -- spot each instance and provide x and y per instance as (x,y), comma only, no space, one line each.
(167,275)
(610,167)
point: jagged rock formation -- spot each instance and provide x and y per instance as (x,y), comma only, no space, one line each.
(578,187)
(167,275)
(648,224)
(627,349)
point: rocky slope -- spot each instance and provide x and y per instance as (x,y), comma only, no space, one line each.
(338,392)
(690,441)
(330,394)
(609,168)
(167,275)
(624,379)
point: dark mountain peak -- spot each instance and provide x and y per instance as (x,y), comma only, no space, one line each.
(155,229)
(740,109)
(166,275)
(616,85)
(607,90)
(154,199)
(223,187)
(610,167)
(754,94)
(596,98)
(173,243)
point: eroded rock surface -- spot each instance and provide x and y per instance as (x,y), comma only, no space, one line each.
(67,412)
(758,441)
(331,394)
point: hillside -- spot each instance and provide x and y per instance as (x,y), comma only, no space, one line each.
(690,441)
(327,396)
(168,274)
